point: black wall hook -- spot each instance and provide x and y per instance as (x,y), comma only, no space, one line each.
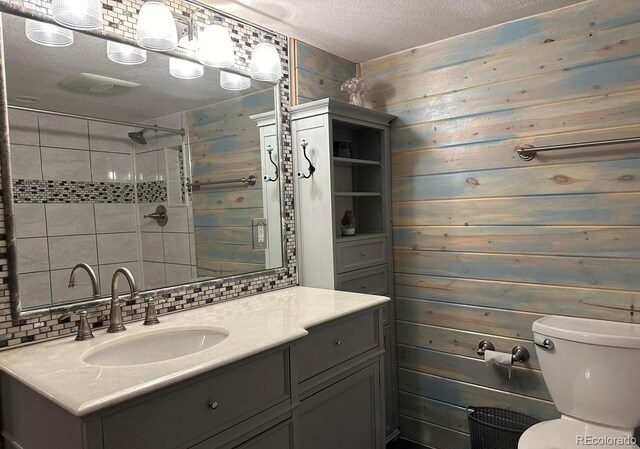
(269,178)
(312,169)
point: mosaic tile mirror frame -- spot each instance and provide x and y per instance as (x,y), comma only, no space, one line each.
(22,325)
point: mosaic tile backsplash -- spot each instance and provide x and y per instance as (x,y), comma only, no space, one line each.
(120,18)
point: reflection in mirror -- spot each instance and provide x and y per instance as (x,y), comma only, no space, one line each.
(126,165)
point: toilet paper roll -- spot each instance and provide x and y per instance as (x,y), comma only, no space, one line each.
(499,359)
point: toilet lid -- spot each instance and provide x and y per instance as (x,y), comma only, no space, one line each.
(569,434)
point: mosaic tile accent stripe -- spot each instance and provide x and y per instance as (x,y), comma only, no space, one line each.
(38,191)
(152,192)
(119,19)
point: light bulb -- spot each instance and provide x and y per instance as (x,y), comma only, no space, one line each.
(80,14)
(216,47)
(232,81)
(183,69)
(125,54)
(47,34)
(265,63)
(156,27)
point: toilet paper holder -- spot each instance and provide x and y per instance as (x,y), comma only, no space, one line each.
(518,353)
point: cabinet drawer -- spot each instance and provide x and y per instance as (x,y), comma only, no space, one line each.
(374,281)
(330,345)
(361,254)
(200,408)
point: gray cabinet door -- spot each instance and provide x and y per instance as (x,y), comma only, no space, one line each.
(345,415)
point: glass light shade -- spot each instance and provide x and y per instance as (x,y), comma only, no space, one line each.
(216,47)
(265,63)
(231,81)
(184,69)
(156,27)
(80,14)
(125,54)
(47,34)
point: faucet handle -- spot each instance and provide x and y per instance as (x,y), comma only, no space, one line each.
(151,315)
(84,330)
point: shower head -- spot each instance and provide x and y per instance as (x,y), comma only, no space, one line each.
(138,136)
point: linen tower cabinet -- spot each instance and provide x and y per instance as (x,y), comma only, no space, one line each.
(342,164)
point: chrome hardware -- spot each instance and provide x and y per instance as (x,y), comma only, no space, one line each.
(115,315)
(483,346)
(546,344)
(195,185)
(160,215)
(363,286)
(311,168)
(337,342)
(213,405)
(519,354)
(269,178)
(151,315)
(84,330)
(363,253)
(92,276)
(527,152)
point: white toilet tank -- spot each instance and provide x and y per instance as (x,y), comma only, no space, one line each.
(592,369)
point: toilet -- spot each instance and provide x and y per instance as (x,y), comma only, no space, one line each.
(592,371)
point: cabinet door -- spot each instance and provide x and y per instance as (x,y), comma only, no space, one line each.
(277,438)
(346,415)
(390,416)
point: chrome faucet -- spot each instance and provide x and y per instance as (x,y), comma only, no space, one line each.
(115,316)
(92,276)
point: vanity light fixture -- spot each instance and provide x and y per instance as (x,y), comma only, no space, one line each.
(232,81)
(79,14)
(47,34)
(125,54)
(183,69)
(216,46)
(156,27)
(265,63)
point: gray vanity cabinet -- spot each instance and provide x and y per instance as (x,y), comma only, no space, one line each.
(322,391)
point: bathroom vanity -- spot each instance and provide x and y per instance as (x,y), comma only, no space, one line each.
(294,368)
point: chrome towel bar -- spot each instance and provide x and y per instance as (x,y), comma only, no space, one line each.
(527,152)
(251,180)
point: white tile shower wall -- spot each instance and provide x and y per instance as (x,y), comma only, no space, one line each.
(167,253)
(60,231)
(119,18)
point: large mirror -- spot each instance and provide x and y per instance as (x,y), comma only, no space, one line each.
(117,165)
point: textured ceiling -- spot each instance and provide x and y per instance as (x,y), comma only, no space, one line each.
(34,70)
(360,30)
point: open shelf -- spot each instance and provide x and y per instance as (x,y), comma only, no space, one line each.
(356,194)
(351,162)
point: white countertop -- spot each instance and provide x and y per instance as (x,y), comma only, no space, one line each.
(56,370)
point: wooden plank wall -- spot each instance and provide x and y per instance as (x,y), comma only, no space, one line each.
(319,74)
(225,144)
(485,243)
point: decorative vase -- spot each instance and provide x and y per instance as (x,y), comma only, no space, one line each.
(355,87)
(348,231)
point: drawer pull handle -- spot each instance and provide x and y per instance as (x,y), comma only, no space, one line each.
(363,253)
(364,286)
(213,405)
(337,342)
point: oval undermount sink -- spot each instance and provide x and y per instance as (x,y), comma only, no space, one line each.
(152,347)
